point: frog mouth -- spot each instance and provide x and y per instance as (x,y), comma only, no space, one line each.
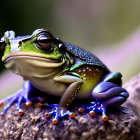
(49,60)
(22,61)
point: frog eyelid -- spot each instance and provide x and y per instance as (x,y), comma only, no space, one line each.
(26,39)
(45,40)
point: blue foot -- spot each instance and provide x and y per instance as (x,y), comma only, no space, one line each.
(58,112)
(18,97)
(96,107)
(93,108)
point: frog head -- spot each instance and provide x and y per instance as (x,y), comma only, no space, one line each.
(35,55)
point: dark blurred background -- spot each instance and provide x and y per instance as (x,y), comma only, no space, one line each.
(110,29)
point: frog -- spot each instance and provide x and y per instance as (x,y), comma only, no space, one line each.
(54,69)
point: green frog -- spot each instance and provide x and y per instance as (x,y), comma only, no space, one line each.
(59,71)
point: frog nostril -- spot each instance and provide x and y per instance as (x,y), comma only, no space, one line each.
(9,43)
(20,42)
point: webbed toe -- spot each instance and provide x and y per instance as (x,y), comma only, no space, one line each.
(58,112)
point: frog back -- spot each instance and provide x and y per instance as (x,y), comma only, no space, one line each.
(85,56)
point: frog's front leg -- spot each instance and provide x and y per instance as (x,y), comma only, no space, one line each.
(108,93)
(74,83)
(21,95)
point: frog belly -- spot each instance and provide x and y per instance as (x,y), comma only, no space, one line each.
(91,77)
(57,89)
(49,86)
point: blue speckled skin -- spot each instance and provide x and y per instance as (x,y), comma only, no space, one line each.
(105,87)
(86,56)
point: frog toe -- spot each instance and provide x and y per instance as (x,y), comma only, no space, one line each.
(92,113)
(9,98)
(19,101)
(55,121)
(72,114)
(58,113)
(18,97)
(105,118)
(20,112)
(7,106)
(96,107)
(28,103)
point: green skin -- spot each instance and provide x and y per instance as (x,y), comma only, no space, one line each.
(52,67)
(86,76)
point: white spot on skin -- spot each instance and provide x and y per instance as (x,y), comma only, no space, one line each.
(83,70)
(97,70)
(79,70)
(89,69)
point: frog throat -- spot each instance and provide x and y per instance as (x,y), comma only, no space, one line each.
(32,66)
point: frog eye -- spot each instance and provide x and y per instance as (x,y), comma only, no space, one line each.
(44,41)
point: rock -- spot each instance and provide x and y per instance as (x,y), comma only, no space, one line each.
(123,124)
(133,87)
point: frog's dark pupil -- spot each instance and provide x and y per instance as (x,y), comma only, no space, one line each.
(20,42)
(44,41)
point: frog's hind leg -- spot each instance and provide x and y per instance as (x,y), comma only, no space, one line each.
(108,93)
